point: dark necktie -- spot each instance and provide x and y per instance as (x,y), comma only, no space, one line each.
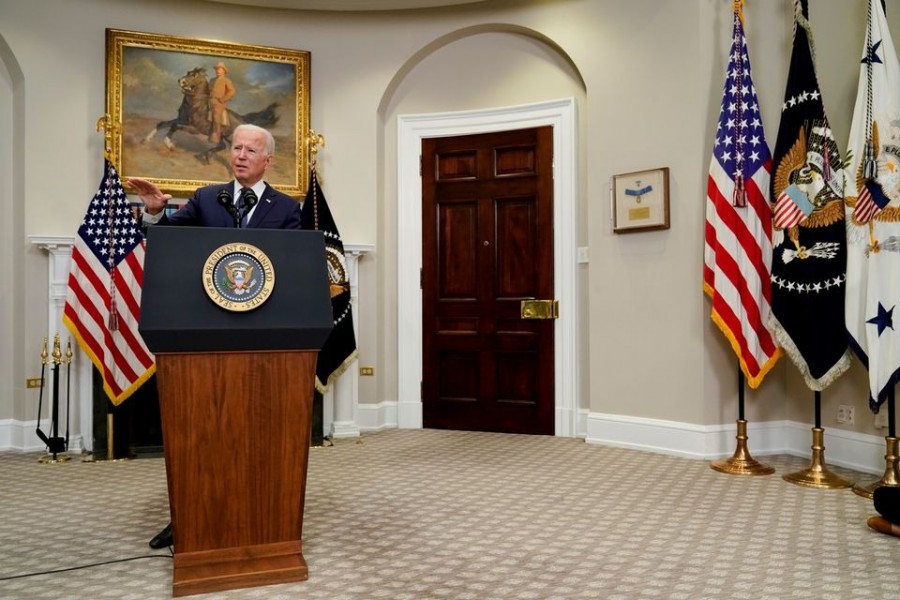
(246,201)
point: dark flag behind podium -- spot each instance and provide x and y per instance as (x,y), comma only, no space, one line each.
(339,350)
(810,255)
(104,291)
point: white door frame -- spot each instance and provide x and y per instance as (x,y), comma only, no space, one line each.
(411,129)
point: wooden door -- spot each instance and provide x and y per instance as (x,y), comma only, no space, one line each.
(487,245)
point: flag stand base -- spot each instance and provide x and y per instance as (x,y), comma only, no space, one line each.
(818,475)
(741,463)
(890,472)
(51,459)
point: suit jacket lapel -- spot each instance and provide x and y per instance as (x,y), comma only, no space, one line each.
(223,212)
(264,205)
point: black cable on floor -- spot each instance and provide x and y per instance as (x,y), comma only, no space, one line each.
(99,564)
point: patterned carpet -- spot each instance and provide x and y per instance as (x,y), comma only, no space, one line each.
(425,514)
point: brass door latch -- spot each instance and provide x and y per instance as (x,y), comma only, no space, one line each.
(540,309)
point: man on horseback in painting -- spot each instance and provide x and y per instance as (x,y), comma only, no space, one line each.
(221,91)
(204,111)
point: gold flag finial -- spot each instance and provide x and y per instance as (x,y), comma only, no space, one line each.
(314,140)
(105,124)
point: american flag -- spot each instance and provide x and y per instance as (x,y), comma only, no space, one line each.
(869,203)
(791,207)
(738,251)
(104,295)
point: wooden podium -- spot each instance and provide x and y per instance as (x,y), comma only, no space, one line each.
(235,391)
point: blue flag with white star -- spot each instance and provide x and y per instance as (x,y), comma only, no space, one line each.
(810,256)
(873,232)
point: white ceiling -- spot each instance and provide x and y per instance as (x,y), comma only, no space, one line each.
(349,5)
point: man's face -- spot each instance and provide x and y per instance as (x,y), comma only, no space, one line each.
(249,160)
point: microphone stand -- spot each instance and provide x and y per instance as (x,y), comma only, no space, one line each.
(224,198)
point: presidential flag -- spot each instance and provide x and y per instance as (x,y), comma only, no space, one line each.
(103,302)
(872,197)
(738,250)
(339,350)
(810,254)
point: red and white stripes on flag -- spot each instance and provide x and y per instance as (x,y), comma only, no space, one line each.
(103,301)
(738,250)
(870,201)
(791,208)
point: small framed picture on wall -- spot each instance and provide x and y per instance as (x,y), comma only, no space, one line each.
(640,201)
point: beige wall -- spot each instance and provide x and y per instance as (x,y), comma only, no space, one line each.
(647,76)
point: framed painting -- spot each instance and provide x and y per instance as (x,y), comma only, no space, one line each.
(640,201)
(173,102)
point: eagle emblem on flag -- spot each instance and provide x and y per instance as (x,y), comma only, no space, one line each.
(873,210)
(809,249)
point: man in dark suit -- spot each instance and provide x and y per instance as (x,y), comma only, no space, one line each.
(247,201)
(887,503)
(223,205)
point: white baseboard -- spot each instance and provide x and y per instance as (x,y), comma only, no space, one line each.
(374,417)
(858,451)
(20,436)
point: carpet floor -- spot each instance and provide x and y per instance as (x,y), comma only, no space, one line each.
(427,514)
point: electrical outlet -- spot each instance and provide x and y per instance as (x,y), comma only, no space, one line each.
(846,414)
(881,421)
(33,382)
(367,371)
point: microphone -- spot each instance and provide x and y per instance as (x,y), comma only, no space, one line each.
(224,198)
(249,197)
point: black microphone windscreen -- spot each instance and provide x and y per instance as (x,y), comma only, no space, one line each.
(224,197)
(249,197)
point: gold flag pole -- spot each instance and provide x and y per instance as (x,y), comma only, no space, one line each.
(817,475)
(891,475)
(108,127)
(741,463)
(319,440)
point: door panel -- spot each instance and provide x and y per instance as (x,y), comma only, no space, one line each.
(487,245)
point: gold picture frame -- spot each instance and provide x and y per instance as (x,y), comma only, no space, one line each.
(640,201)
(154,81)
